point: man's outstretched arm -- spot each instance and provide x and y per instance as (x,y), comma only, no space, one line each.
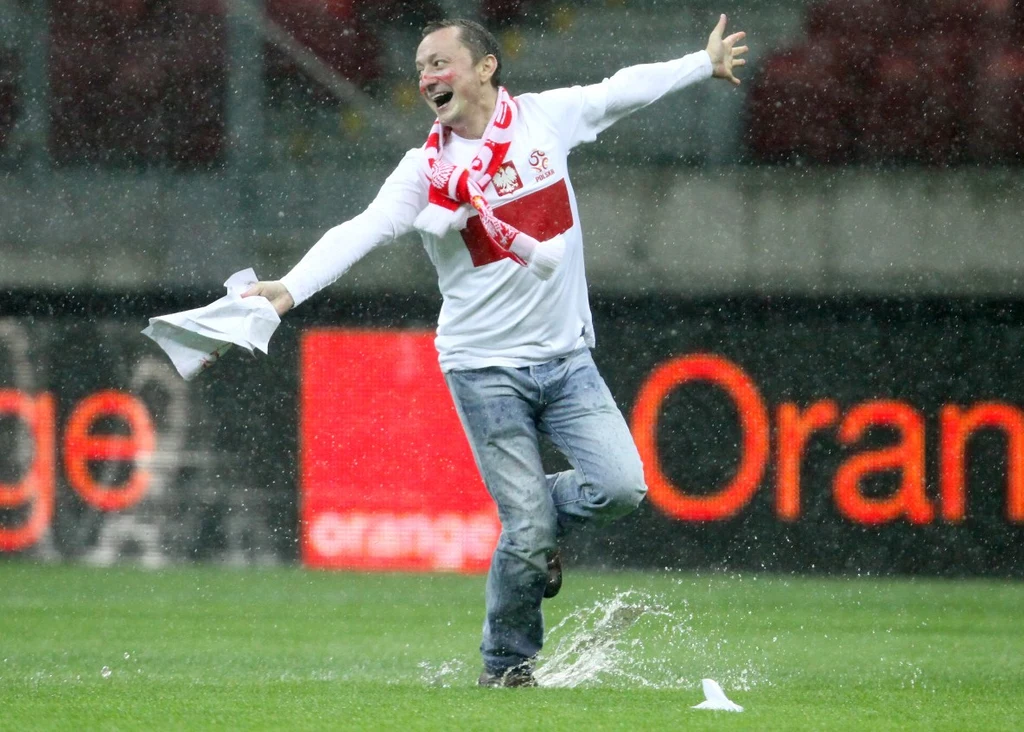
(599,106)
(330,257)
(635,87)
(391,214)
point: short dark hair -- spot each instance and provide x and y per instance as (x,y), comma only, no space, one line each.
(480,41)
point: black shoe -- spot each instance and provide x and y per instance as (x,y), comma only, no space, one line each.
(520,676)
(554,575)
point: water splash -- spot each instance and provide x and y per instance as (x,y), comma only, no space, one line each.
(635,640)
(911,675)
(443,673)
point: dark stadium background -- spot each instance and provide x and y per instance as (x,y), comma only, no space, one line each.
(844,226)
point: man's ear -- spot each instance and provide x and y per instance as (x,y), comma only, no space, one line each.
(486,67)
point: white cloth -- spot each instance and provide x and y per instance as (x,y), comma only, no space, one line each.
(495,313)
(195,339)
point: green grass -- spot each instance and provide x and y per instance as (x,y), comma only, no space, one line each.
(200,648)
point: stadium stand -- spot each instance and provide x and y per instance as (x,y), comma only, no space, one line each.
(333,31)
(410,13)
(500,14)
(997,122)
(137,82)
(881,82)
(144,81)
(140,82)
(802,107)
(10,102)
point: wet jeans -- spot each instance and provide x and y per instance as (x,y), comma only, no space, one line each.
(504,412)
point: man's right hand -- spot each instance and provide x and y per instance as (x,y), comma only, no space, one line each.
(724,52)
(274,291)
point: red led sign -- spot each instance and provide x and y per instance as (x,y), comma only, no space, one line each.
(794,426)
(387,479)
(31,495)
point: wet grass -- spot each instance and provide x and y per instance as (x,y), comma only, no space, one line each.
(202,648)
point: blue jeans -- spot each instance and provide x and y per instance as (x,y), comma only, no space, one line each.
(504,412)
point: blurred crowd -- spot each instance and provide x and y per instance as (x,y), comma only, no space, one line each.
(144,81)
(936,82)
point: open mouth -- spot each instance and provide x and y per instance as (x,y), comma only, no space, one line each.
(442,99)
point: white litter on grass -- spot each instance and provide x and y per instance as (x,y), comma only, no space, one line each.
(715,699)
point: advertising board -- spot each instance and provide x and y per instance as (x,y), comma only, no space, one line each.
(840,436)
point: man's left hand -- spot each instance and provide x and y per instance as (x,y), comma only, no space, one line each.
(724,52)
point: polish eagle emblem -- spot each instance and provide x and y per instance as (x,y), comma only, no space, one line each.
(506,179)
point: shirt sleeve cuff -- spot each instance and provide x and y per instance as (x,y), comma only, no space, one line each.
(705,64)
(294,289)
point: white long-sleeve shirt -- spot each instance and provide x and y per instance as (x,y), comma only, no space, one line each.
(495,312)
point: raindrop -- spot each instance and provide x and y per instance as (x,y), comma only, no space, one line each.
(105,672)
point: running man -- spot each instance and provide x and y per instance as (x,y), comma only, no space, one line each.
(490,194)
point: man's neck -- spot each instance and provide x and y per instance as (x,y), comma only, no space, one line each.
(477,119)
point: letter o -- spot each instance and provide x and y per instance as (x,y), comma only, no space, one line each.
(753,423)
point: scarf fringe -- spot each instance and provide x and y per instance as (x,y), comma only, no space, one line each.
(546,257)
(439,221)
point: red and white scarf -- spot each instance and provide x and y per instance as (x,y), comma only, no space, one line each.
(452,186)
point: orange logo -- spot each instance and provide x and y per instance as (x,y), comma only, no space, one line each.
(795,425)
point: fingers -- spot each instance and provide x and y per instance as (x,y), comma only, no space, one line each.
(724,52)
(275,292)
(734,53)
(716,35)
(720,28)
(263,288)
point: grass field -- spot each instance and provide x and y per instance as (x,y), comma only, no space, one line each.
(200,648)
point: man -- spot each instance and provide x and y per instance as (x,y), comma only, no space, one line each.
(491,197)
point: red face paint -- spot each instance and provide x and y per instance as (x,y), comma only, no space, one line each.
(441,77)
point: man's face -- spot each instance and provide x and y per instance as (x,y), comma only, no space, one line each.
(450,83)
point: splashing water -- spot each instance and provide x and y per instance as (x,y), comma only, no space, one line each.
(444,674)
(635,639)
(594,642)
